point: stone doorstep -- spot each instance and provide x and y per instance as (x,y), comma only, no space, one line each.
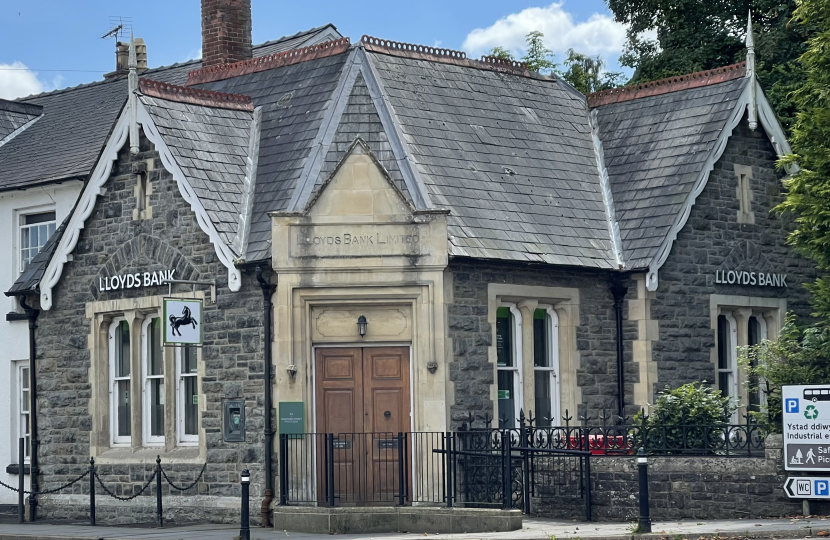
(422,519)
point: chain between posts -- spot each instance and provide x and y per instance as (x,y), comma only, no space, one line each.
(48,491)
(174,486)
(133,496)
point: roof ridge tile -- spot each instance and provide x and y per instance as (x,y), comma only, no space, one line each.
(448,56)
(207,98)
(667,85)
(268,62)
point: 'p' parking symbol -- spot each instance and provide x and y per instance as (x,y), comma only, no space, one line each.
(791,405)
(822,487)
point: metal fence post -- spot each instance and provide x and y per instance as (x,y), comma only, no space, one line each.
(21,480)
(159,510)
(644,523)
(245,528)
(283,470)
(507,473)
(330,467)
(588,502)
(401,470)
(449,468)
(92,491)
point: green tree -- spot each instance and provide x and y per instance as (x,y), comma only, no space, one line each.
(585,73)
(538,57)
(695,35)
(808,188)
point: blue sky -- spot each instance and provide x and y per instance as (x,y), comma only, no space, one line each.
(49,44)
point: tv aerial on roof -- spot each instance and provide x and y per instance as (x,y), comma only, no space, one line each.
(120,28)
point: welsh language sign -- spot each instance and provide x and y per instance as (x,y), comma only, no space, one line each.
(182,321)
(807,487)
(806,427)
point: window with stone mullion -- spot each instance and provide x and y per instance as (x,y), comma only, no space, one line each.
(153,384)
(120,391)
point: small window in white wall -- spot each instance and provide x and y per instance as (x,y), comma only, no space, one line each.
(546,367)
(509,364)
(120,392)
(22,403)
(35,230)
(187,395)
(153,381)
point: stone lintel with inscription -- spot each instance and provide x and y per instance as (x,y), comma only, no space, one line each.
(357,240)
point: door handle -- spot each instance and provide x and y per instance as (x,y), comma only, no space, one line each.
(387,414)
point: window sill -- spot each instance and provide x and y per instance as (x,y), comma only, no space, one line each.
(15,316)
(14,468)
(114,456)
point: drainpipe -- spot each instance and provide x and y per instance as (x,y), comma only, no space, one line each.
(267,291)
(32,314)
(618,290)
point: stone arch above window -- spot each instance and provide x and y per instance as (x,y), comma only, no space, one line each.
(145,253)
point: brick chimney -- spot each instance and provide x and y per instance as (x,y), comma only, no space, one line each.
(226,31)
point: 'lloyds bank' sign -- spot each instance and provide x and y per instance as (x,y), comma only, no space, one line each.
(743,277)
(135,280)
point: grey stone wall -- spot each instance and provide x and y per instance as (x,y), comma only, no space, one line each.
(695,487)
(471,334)
(712,240)
(113,243)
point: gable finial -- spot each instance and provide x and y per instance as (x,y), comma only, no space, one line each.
(132,99)
(750,74)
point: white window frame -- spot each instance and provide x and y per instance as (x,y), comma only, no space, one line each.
(115,439)
(732,370)
(762,326)
(552,323)
(184,439)
(146,395)
(21,226)
(518,380)
(21,407)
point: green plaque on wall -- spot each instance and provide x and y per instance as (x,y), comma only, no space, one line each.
(292,420)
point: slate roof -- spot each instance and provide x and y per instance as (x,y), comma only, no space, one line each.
(294,100)
(655,148)
(510,156)
(15,115)
(210,145)
(66,142)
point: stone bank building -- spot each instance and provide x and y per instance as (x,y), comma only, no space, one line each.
(399,239)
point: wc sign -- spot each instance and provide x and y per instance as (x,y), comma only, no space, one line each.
(807,487)
(806,422)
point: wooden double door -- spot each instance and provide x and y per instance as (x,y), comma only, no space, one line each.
(363,399)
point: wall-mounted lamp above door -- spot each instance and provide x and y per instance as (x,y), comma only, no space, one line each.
(361,326)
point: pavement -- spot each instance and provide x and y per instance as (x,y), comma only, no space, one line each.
(534,529)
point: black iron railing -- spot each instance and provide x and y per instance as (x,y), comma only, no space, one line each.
(658,438)
(474,468)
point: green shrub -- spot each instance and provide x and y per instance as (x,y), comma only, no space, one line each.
(683,419)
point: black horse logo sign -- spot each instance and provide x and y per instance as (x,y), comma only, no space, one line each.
(184,320)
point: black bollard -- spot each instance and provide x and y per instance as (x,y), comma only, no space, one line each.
(158,492)
(92,491)
(644,523)
(21,480)
(245,530)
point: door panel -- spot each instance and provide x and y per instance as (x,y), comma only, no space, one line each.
(339,393)
(363,398)
(386,412)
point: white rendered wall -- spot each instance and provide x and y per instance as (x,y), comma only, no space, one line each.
(14,335)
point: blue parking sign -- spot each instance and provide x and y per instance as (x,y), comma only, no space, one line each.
(821,487)
(791,405)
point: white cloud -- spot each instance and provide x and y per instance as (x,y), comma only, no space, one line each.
(16,80)
(600,34)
